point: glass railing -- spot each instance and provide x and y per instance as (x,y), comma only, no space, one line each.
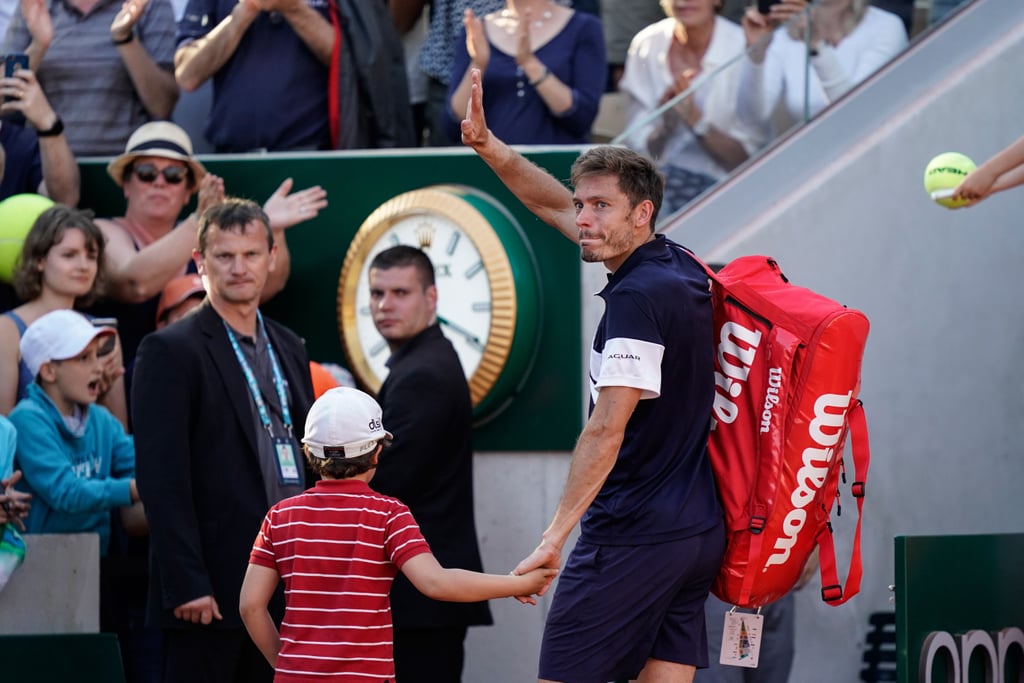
(738,107)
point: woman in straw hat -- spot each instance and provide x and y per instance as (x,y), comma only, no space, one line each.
(144,251)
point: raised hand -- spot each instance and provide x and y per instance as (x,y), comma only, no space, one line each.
(211,193)
(126,19)
(523,49)
(37,19)
(757,28)
(286,210)
(112,366)
(27,97)
(477,46)
(474,126)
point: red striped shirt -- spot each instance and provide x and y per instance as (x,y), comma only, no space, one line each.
(337,547)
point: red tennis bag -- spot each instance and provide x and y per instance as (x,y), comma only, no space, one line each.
(787,375)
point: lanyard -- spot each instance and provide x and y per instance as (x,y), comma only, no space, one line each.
(254,387)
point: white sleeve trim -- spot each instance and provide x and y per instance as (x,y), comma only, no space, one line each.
(630,363)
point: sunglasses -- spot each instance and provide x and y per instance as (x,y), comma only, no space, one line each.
(147,173)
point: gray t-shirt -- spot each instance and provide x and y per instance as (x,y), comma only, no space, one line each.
(84,77)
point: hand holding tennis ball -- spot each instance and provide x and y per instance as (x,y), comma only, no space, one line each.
(942,176)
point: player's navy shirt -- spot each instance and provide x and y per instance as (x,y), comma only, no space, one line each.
(656,335)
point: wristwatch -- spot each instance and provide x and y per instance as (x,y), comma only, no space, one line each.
(56,129)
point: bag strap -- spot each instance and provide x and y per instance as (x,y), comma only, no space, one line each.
(831,591)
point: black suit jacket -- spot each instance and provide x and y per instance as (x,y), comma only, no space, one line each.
(197,466)
(429,467)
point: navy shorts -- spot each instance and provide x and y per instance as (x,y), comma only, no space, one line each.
(615,607)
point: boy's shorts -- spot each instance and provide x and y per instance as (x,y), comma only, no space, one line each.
(615,607)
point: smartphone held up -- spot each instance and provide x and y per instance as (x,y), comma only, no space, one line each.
(13,61)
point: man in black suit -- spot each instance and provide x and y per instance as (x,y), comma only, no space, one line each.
(429,466)
(217,399)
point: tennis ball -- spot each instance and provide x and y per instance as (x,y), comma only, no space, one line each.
(945,172)
(17,214)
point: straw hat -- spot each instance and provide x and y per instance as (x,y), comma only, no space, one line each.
(156,139)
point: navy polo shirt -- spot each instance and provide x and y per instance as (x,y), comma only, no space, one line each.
(272,92)
(656,335)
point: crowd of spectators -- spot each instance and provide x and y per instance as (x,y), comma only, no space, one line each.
(701,93)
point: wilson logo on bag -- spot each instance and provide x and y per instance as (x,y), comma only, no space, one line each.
(787,374)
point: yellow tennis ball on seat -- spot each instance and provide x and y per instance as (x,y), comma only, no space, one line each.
(17,214)
(945,172)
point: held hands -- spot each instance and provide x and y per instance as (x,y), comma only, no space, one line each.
(547,556)
(536,583)
(199,611)
(27,97)
(286,210)
(123,24)
(477,45)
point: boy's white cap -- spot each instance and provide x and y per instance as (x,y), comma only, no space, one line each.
(58,335)
(344,423)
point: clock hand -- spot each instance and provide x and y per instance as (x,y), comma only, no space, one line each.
(473,340)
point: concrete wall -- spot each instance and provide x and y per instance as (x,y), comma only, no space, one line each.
(56,589)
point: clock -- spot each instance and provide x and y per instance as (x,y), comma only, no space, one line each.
(488,289)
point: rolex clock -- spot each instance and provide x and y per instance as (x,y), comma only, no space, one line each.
(487,288)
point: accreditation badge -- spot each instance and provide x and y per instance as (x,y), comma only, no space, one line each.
(741,639)
(287,462)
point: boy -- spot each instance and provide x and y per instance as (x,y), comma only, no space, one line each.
(337,548)
(76,459)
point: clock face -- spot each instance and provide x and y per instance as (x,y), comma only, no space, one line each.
(463,288)
(479,289)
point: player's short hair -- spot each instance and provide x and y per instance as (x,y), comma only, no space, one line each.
(233,215)
(403,256)
(638,177)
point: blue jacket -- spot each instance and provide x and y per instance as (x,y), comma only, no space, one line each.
(75,481)
(8,442)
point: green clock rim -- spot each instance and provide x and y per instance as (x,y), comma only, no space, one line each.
(529,308)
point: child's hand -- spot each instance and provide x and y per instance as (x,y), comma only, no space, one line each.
(536,582)
(14,505)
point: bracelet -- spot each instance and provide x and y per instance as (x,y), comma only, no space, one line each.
(543,74)
(56,129)
(124,41)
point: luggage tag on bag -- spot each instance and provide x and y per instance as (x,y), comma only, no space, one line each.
(741,638)
(287,465)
